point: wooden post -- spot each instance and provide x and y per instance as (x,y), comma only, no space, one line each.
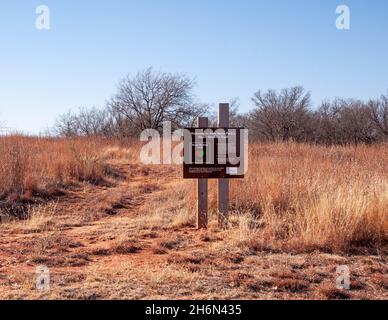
(223,184)
(202,212)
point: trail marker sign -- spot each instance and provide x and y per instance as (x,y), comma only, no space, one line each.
(214,153)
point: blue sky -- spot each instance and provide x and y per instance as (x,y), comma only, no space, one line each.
(231,48)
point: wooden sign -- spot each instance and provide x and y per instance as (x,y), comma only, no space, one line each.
(214,153)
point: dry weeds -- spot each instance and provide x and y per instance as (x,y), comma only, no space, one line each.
(300,213)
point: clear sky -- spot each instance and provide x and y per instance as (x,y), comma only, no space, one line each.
(231,47)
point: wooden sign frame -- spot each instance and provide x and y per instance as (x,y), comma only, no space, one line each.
(222,175)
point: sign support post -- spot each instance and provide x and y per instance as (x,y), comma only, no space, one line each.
(202,189)
(223,184)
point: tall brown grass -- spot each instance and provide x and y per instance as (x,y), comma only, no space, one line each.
(31,165)
(314,197)
(296,196)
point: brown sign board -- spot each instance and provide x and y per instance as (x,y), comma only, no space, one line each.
(215,153)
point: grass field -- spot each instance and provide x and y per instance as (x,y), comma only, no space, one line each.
(110,227)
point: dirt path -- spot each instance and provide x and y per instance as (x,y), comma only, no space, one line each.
(91,231)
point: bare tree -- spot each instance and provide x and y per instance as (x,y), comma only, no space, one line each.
(149,98)
(66,125)
(355,123)
(379,114)
(344,121)
(91,121)
(118,125)
(326,121)
(86,122)
(282,116)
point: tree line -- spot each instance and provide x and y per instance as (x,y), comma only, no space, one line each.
(149,98)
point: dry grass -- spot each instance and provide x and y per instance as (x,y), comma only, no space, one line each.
(309,197)
(300,213)
(302,196)
(32,168)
